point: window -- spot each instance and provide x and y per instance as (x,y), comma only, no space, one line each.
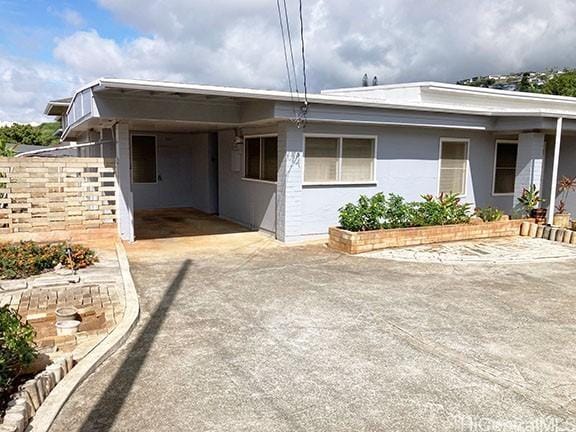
(453,166)
(505,167)
(339,160)
(144,159)
(261,158)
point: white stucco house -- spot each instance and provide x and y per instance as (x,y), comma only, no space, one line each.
(240,154)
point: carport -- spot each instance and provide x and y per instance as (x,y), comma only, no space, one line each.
(180,166)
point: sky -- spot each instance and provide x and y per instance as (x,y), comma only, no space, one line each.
(50,48)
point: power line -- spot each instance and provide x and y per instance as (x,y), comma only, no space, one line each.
(290,45)
(303,55)
(302,118)
(286,57)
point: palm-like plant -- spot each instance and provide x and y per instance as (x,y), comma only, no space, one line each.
(565,186)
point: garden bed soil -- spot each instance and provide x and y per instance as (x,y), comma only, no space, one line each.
(366,241)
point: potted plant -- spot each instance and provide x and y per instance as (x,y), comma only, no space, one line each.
(530,200)
(561,216)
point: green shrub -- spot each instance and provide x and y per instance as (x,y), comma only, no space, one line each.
(20,260)
(443,210)
(17,349)
(365,216)
(489,214)
(397,213)
(394,212)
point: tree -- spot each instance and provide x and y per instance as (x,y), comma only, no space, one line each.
(525,85)
(561,85)
(28,134)
(7,150)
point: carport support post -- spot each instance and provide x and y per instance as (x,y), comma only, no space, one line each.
(289,184)
(124,198)
(552,205)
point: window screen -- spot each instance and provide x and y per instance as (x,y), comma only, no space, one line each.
(453,161)
(269,158)
(505,168)
(347,160)
(357,159)
(261,158)
(252,158)
(144,159)
(321,160)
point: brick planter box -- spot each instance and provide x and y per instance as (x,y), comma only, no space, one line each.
(366,241)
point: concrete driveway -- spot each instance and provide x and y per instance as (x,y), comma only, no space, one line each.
(239,333)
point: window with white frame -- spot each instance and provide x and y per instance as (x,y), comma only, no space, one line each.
(339,159)
(144,159)
(261,158)
(505,167)
(453,165)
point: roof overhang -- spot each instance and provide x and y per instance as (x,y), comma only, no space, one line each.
(57,107)
(415,97)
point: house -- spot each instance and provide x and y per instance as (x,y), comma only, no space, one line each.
(255,157)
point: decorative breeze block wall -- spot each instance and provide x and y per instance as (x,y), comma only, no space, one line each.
(41,195)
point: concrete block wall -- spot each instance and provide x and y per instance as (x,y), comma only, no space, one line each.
(289,186)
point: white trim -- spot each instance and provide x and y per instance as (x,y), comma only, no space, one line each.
(341,138)
(259,136)
(155,135)
(466,173)
(501,141)
(556,161)
(248,179)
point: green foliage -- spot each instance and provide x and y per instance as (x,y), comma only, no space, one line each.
(42,134)
(530,198)
(365,216)
(398,213)
(20,260)
(443,210)
(17,349)
(562,84)
(394,212)
(7,150)
(489,214)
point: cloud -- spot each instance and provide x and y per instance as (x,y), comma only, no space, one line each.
(230,42)
(26,86)
(72,17)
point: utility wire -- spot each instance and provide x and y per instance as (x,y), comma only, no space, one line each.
(289,33)
(302,119)
(286,57)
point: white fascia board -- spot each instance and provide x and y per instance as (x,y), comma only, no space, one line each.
(340,100)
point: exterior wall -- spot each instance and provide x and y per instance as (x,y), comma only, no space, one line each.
(248,202)
(407,164)
(186,169)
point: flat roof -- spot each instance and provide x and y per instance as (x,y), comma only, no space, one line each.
(433,96)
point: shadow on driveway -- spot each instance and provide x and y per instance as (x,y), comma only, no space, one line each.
(104,413)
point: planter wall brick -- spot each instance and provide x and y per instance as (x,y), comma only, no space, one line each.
(366,241)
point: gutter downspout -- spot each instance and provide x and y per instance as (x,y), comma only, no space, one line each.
(552,207)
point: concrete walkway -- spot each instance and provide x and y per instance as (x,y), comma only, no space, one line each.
(490,251)
(240,334)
